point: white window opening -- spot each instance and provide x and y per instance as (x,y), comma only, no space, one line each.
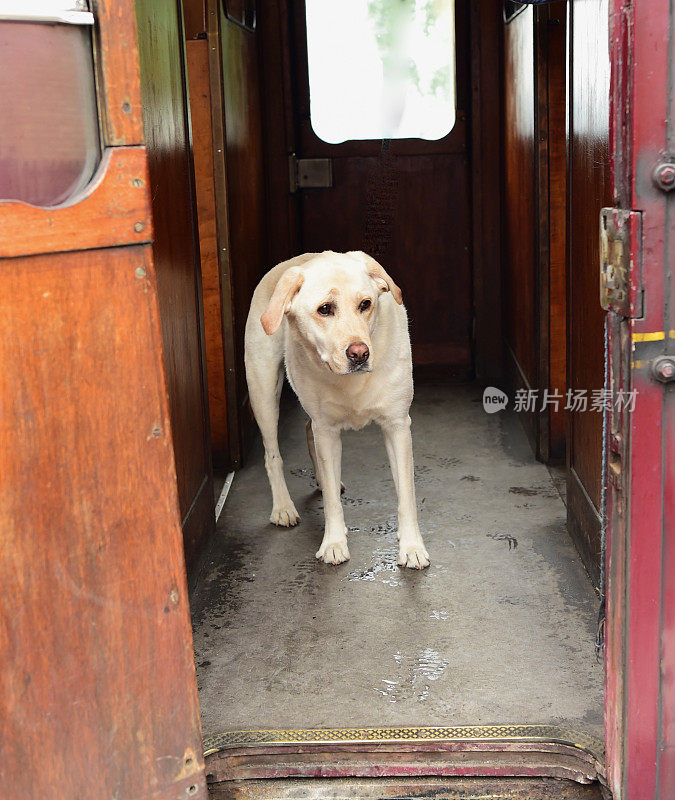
(381,69)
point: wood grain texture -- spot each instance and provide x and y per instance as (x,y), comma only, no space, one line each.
(194,19)
(589,190)
(113,210)
(556,25)
(487,168)
(245,189)
(120,88)
(274,31)
(519,194)
(200,110)
(97,684)
(176,259)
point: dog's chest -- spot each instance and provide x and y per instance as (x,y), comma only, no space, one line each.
(351,409)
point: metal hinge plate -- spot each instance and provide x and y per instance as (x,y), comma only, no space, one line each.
(310,173)
(621,262)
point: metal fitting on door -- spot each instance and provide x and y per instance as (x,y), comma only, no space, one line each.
(663,369)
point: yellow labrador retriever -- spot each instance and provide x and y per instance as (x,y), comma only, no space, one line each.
(338,323)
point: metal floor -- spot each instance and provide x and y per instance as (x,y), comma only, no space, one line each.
(500,629)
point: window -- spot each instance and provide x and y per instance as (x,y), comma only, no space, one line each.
(49,136)
(381,69)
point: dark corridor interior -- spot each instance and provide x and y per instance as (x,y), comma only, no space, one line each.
(491,232)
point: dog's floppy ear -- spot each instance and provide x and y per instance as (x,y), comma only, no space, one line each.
(288,286)
(378,273)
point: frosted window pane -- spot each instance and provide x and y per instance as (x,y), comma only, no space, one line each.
(381,69)
(49,138)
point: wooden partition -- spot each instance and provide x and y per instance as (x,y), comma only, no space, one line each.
(226,105)
(177,258)
(98,696)
(201,109)
(589,190)
(535,218)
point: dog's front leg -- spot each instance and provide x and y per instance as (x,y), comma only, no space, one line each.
(328,446)
(398,441)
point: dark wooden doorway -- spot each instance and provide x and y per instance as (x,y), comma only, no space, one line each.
(405,201)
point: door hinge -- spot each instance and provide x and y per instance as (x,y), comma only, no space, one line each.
(309,173)
(621,262)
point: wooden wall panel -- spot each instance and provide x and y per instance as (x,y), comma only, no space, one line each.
(487,110)
(535,216)
(556,29)
(278,128)
(245,187)
(520,296)
(97,687)
(589,190)
(200,110)
(176,256)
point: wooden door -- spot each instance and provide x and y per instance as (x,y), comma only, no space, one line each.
(640,658)
(405,201)
(589,190)
(98,694)
(177,259)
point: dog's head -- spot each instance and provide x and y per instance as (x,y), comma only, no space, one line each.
(331,303)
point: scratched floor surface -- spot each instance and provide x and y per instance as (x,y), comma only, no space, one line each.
(500,628)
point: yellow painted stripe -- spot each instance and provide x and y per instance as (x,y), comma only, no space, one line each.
(636,364)
(672,334)
(654,336)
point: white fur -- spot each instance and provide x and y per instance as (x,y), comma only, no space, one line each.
(313,349)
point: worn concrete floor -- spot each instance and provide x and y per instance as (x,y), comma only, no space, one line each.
(500,628)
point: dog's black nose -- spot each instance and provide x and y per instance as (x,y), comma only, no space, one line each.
(358,352)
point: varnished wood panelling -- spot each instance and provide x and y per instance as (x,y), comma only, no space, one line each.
(194,19)
(534,216)
(97,687)
(120,87)
(486,169)
(557,197)
(176,256)
(278,128)
(200,109)
(519,210)
(112,210)
(245,185)
(589,190)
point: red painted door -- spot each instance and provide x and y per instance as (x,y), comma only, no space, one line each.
(640,652)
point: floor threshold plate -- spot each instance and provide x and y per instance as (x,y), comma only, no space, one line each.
(465,750)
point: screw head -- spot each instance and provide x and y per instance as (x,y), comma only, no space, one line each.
(138,226)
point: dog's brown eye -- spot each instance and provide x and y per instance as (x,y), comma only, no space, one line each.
(325,310)
(365,305)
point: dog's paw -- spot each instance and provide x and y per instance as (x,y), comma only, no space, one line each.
(333,552)
(414,556)
(286,516)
